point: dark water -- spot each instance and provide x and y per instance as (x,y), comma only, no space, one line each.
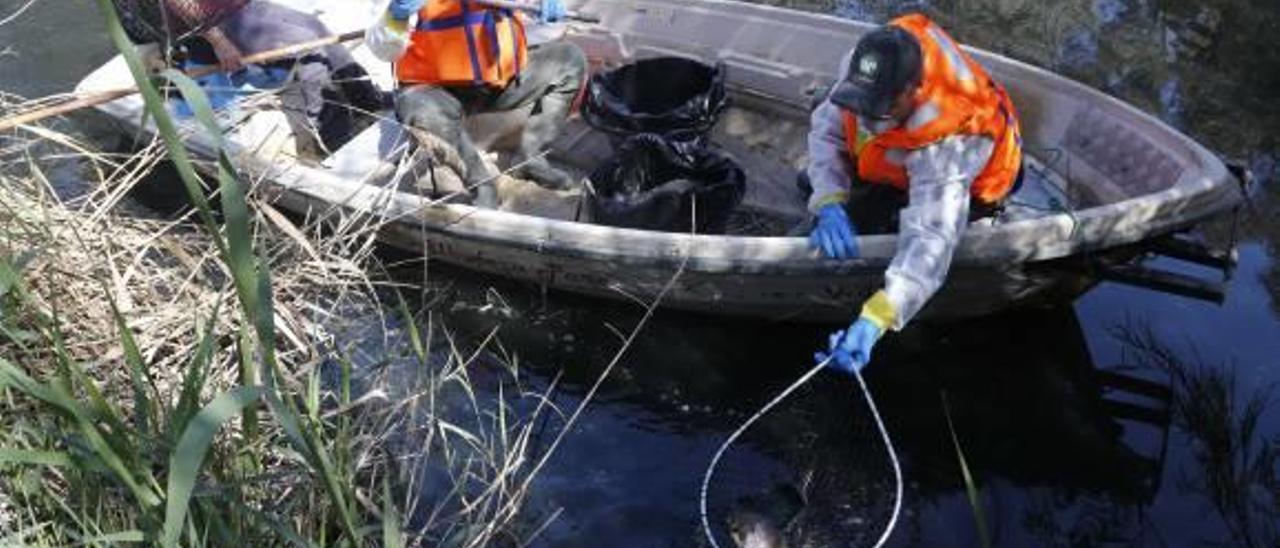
(1036,397)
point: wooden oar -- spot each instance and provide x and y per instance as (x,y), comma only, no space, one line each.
(100,97)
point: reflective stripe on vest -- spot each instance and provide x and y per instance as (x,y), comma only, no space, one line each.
(459,43)
(956,97)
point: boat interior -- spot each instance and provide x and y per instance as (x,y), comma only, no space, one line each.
(762,130)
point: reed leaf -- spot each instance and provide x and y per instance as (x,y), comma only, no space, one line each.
(194,377)
(144,414)
(971,487)
(39,458)
(188,457)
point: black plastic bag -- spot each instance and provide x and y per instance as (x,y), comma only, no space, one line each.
(651,184)
(678,99)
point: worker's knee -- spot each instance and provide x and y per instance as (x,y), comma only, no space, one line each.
(567,60)
(312,79)
(431,109)
(575,60)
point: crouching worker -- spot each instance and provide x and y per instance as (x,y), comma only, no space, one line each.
(914,134)
(321,92)
(462,57)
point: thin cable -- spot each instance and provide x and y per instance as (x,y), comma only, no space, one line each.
(893,458)
(875,412)
(18,13)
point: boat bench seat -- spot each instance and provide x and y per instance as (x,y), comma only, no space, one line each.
(1125,163)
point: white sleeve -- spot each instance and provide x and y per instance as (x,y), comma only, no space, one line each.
(830,169)
(388,37)
(934,220)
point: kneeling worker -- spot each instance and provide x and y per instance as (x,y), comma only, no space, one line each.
(321,92)
(917,134)
(464,57)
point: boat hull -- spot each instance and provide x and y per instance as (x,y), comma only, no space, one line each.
(1176,185)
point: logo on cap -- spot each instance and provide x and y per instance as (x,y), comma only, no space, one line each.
(868,65)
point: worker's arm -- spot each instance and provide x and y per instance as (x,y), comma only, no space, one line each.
(189,14)
(931,225)
(185,15)
(229,54)
(930,228)
(830,169)
(389,36)
(191,17)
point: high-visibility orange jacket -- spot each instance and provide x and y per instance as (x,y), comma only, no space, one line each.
(463,43)
(956,97)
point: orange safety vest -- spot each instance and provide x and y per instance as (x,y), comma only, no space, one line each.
(462,43)
(956,97)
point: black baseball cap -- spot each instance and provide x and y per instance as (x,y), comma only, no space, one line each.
(886,62)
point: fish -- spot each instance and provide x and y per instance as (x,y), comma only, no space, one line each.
(750,529)
(762,522)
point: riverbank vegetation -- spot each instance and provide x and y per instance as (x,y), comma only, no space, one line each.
(179,381)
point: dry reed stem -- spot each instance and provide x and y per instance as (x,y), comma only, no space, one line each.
(166,278)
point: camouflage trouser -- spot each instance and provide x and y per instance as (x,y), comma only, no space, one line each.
(325,95)
(550,83)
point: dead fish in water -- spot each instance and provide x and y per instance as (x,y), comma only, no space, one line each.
(753,530)
(762,522)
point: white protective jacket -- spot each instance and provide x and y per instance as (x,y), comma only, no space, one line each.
(937,213)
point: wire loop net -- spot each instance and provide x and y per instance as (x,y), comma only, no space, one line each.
(842,495)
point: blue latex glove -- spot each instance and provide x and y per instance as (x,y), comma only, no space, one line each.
(850,349)
(401,10)
(552,11)
(834,234)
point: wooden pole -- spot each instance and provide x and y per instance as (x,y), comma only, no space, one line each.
(100,97)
